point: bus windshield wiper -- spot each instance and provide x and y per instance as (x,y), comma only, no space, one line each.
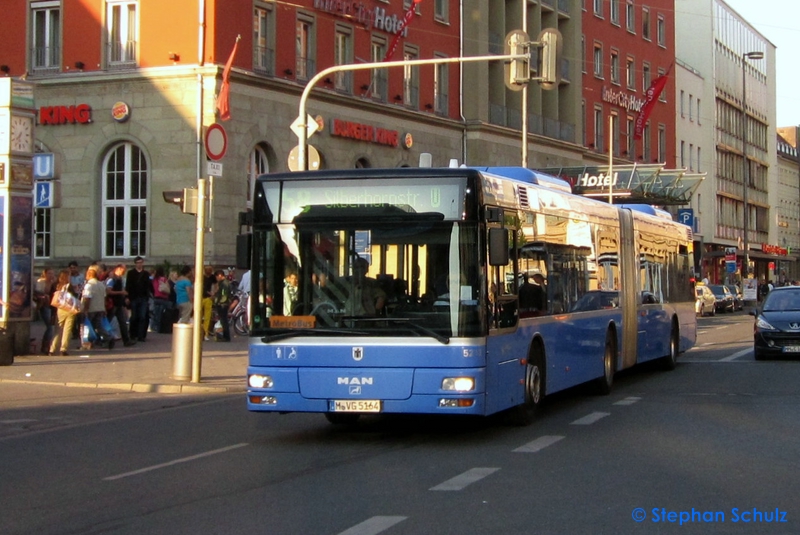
(300,332)
(422,330)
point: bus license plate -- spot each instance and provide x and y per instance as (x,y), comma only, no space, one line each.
(791,349)
(356,405)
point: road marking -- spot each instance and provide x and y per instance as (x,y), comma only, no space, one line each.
(590,418)
(538,444)
(628,401)
(467,478)
(20,421)
(737,355)
(374,525)
(176,461)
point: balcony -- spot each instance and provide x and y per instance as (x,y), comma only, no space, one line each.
(264,60)
(46,59)
(305,68)
(121,55)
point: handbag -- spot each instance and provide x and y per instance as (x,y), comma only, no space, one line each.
(163,286)
(64,300)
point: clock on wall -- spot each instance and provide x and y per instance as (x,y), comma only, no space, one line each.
(21,134)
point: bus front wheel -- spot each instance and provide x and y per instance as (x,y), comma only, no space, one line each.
(605,382)
(524,413)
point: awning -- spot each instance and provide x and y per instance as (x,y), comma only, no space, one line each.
(634,183)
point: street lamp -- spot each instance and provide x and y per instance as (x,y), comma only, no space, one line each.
(745,163)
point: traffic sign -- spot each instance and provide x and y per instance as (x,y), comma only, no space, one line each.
(214,168)
(686,216)
(311,153)
(44,167)
(311,126)
(45,194)
(216,141)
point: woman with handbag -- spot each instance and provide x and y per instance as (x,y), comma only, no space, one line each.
(67,308)
(43,294)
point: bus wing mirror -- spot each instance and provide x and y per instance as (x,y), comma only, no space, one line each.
(498,247)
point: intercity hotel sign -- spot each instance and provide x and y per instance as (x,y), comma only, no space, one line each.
(622,99)
(359,12)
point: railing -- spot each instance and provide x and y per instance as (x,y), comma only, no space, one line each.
(343,82)
(121,55)
(264,60)
(46,59)
(305,68)
(441,104)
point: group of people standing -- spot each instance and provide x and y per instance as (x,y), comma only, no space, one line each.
(137,299)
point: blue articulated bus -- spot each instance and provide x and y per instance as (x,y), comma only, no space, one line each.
(454,291)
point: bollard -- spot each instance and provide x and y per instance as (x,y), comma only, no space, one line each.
(182,351)
(6,348)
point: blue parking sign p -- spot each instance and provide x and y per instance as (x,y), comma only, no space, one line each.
(686,216)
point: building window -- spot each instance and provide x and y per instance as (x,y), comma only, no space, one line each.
(411,78)
(258,164)
(631,74)
(125,191)
(698,160)
(683,154)
(691,156)
(46,36)
(598,8)
(617,134)
(43,232)
(121,28)
(441,81)
(614,67)
(440,11)
(661,31)
(599,142)
(646,152)
(645,77)
(407,4)
(598,60)
(682,98)
(379,81)
(663,96)
(304,47)
(691,111)
(646,23)
(264,40)
(662,143)
(614,7)
(630,16)
(698,112)
(583,54)
(343,55)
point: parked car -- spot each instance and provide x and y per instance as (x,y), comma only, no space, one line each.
(738,297)
(724,297)
(777,325)
(705,302)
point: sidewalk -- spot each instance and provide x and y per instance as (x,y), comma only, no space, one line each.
(143,367)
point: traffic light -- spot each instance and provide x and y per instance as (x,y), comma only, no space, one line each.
(549,56)
(185,198)
(518,70)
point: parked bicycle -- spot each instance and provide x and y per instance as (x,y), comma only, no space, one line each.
(238,316)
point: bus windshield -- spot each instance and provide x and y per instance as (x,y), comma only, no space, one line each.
(369,270)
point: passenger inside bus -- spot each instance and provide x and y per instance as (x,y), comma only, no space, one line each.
(366,297)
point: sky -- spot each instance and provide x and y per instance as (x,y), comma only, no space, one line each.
(779,22)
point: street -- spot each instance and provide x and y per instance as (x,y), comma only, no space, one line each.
(710,447)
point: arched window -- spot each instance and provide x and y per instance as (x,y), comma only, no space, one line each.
(125,186)
(257,165)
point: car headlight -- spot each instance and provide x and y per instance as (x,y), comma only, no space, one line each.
(260,381)
(458,384)
(763,324)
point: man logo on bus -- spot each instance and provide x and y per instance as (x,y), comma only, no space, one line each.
(354,380)
(358,353)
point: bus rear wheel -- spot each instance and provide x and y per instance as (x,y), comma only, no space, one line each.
(669,362)
(524,413)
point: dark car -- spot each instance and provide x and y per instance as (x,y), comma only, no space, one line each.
(777,326)
(738,298)
(724,298)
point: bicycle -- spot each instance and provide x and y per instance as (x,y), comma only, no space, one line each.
(238,316)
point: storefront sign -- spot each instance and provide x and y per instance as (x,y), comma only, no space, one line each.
(364,132)
(80,114)
(597,181)
(622,99)
(774,249)
(120,112)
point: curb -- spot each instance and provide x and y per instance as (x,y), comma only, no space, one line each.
(141,387)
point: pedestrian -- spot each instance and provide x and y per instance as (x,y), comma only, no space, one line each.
(183,295)
(42,295)
(223,302)
(139,289)
(290,284)
(76,277)
(209,287)
(93,304)
(161,302)
(65,319)
(115,289)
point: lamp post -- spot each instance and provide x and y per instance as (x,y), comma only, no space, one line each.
(745,164)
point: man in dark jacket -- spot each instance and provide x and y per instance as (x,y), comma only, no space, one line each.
(139,288)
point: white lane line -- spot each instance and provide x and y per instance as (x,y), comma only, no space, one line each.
(19,421)
(628,401)
(538,444)
(467,478)
(176,461)
(374,525)
(590,418)
(735,356)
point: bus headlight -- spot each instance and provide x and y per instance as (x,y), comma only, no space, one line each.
(260,381)
(458,384)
